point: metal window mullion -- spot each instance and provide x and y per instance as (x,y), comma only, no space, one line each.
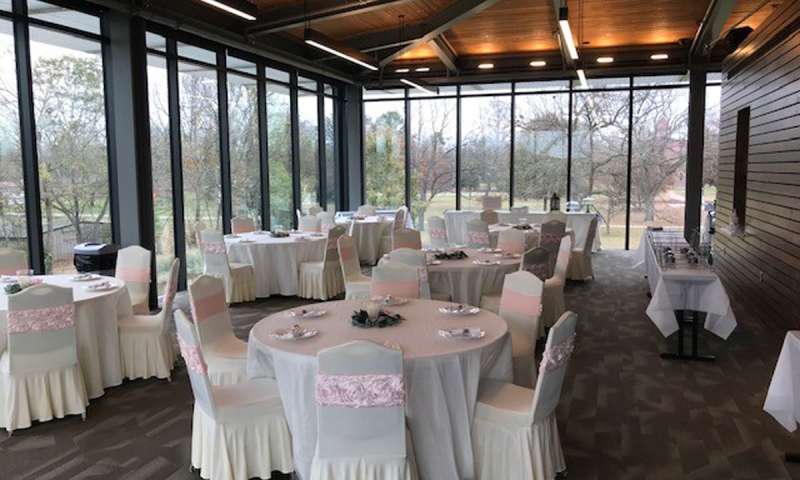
(173,95)
(295,141)
(630,163)
(407,149)
(569,144)
(322,184)
(224,142)
(263,147)
(511,146)
(458,147)
(111,135)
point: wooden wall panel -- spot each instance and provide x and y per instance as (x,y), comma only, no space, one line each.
(762,268)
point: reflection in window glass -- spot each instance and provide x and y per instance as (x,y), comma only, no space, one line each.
(155,41)
(433,160)
(309,149)
(540,148)
(330,156)
(384,154)
(71,134)
(278,75)
(197,53)
(13,225)
(658,161)
(244,146)
(485,150)
(200,152)
(63,16)
(280,156)
(158,102)
(711,145)
(600,158)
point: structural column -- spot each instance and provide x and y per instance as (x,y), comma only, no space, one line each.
(694,151)
(352,177)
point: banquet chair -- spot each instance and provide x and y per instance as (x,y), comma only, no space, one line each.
(366,211)
(537,261)
(238,431)
(417,259)
(398,223)
(550,239)
(556,215)
(199,228)
(326,221)
(492,202)
(323,280)
(515,433)
(438,232)
(396,280)
(580,265)
(40,377)
(478,234)
(356,284)
(490,217)
(133,267)
(242,225)
(511,241)
(146,346)
(11,261)
(361,433)
(406,238)
(239,279)
(553,305)
(521,307)
(519,211)
(315,210)
(226,354)
(309,223)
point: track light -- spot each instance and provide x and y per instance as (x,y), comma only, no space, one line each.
(240,8)
(566,32)
(422,69)
(318,40)
(421,86)
(486,66)
(582,77)
(402,70)
(605,59)
(659,56)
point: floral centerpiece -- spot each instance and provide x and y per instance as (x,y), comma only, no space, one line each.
(382,319)
(457,255)
(21,285)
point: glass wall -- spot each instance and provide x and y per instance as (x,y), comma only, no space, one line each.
(279,140)
(331,157)
(244,144)
(384,154)
(307,113)
(711,139)
(485,150)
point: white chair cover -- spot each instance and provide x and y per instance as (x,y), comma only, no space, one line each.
(478,234)
(396,280)
(360,398)
(40,378)
(511,241)
(226,354)
(315,210)
(239,279)
(399,221)
(537,261)
(550,239)
(555,215)
(417,259)
(580,266)
(553,304)
(515,434)
(492,202)
(437,228)
(133,267)
(309,223)
(323,280)
(326,221)
(521,308)
(406,238)
(238,431)
(356,284)
(489,216)
(366,211)
(199,228)
(146,344)
(242,225)
(12,261)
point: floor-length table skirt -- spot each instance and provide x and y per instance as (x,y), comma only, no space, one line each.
(96,329)
(368,236)
(783,396)
(467,282)
(441,377)
(276,261)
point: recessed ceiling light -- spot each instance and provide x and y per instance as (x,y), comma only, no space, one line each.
(402,70)
(422,69)
(538,63)
(659,56)
(486,66)
(605,59)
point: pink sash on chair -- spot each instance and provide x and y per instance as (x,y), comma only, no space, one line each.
(193,357)
(360,391)
(515,302)
(206,307)
(133,274)
(41,319)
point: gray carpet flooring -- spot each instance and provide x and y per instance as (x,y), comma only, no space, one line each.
(624,414)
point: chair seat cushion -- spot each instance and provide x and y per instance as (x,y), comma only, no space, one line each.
(504,403)
(141,323)
(228,347)
(248,399)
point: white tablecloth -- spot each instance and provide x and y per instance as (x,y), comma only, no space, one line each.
(96,315)
(695,288)
(368,235)
(783,397)
(276,260)
(465,281)
(441,377)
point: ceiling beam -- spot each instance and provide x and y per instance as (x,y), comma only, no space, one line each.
(445,52)
(288,18)
(435,26)
(711,27)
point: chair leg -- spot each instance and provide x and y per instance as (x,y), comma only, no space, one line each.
(83,416)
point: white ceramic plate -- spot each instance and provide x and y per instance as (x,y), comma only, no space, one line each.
(508,255)
(469,333)
(231,235)
(486,262)
(389,300)
(100,287)
(307,313)
(294,333)
(84,277)
(435,262)
(8,279)
(459,310)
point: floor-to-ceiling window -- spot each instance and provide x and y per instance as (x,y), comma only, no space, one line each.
(308,129)
(711,141)
(279,140)
(331,156)
(384,151)
(244,139)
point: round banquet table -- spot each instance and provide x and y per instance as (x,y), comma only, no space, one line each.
(96,315)
(276,261)
(441,376)
(465,281)
(531,236)
(368,235)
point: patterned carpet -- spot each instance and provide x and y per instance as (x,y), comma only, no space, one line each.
(625,413)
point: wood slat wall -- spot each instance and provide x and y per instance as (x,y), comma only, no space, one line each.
(762,268)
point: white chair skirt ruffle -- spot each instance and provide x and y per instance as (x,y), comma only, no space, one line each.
(531,452)
(146,354)
(41,396)
(239,451)
(362,469)
(242,286)
(318,283)
(580,265)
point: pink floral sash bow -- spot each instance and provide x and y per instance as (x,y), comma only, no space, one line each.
(214,248)
(438,233)
(556,356)
(478,238)
(193,357)
(41,319)
(360,391)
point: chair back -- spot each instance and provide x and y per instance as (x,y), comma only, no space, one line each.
(562,260)
(309,223)
(199,228)
(406,238)
(521,305)
(397,280)
(553,368)
(360,395)
(492,202)
(366,211)
(315,210)
(589,242)
(550,239)
(169,295)
(196,366)
(326,221)
(556,215)
(331,256)
(11,261)
(478,234)
(511,240)
(133,268)
(215,255)
(209,309)
(348,257)
(490,217)
(399,221)
(437,228)
(242,225)
(537,262)
(41,329)
(417,259)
